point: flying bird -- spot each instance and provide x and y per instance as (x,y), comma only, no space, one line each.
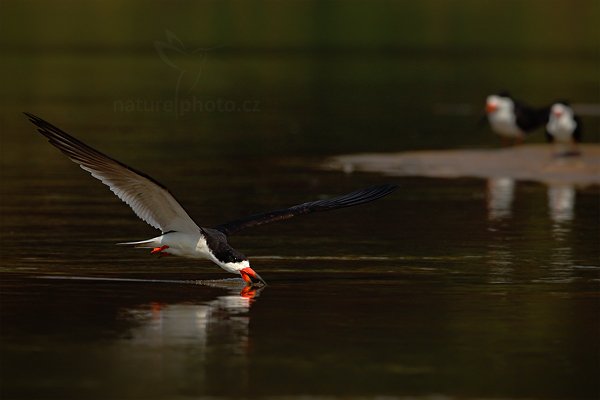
(180,235)
(512,119)
(564,129)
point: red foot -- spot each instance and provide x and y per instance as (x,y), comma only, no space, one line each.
(156,308)
(248,292)
(159,249)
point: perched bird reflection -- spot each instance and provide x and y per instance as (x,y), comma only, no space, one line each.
(500,196)
(501,262)
(561,203)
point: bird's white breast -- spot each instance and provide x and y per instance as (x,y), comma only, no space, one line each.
(186,245)
(504,123)
(562,128)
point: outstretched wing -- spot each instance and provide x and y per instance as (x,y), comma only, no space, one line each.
(348,200)
(148,199)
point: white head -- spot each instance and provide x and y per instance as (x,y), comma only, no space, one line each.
(501,115)
(498,103)
(561,124)
(560,110)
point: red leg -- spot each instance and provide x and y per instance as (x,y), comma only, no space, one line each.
(158,249)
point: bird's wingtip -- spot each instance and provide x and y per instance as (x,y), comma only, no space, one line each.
(33,118)
(388,187)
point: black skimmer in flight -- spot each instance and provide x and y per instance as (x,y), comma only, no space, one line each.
(181,236)
(564,129)
(511,119)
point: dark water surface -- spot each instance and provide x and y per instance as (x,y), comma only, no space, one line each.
(438,289)
(461,288)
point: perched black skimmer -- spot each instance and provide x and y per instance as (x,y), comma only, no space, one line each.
(564,129)
(511,119)
(181,236)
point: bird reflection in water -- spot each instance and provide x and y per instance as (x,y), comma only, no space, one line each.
(500,195)
(204,340)
(561,203)
(181,322)
(561,206)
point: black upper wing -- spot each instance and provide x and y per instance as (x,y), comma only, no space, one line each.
(577,133)
(529,118)
(348,200)
(546,117)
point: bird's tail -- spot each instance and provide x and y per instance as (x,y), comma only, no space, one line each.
(143,244)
